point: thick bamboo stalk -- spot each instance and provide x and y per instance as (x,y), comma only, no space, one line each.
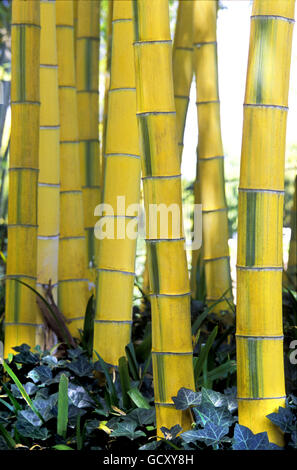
(210,157)
(292,261)
(116,262)
(260,369)
(49,159)
(168,275)
(87,73)
(73,285)
(21,317)
(182,65)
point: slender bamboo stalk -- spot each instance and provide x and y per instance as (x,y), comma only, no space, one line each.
(21,317)
(49,159)
(183,65)
(87,73)
(292,261)
(107,82)
(260,369)
(73,285)
(116,262)
(169,283)
(210,157)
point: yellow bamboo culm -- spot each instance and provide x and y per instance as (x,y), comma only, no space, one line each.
(182,65)
(211,159)
(73,286)
(21,315)
(87,73)
(291,272)
(168,275)
(116,262)
(259,333)
(106,85)
(49,153)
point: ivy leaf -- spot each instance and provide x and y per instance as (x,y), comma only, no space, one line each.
(81,367)
(25,356)
(151,445)
(29,387)
(127,429)
(79,397)
(40,374)
(185,398)
(143,416)
(219,416)
(27,429)
(211,435)
(171,433)
(215,398)
(284,419)
(245,439)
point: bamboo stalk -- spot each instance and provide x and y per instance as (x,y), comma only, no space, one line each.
(168,276)
(107,82)
(21,317)
(215,253)
(73,284)
(87,72)
(260,368)
(182,65)
(49,160)
(116,262)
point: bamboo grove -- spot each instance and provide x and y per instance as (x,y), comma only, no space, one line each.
(72,149)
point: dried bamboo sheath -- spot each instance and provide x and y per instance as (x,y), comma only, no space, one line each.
(261,388)
(210,157)
(21,310)
(73,285)
(87,72)
(169,286)
(116,263)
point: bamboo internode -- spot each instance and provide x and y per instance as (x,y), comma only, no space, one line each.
(260,373)
(116,261)
(73,284)
(21,317)
(169,284)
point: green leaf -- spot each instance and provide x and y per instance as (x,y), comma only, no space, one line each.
(211,435)
(245,439)
(137,398)
(127,429)
(79,437)
(220,416)
(9,440)
(133,365)
(125,381)
(62,447)
(88,330)
(111,388)
(14,402)
(186,398)
(220,372)
(62,420)
(204,354)
(22,390)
